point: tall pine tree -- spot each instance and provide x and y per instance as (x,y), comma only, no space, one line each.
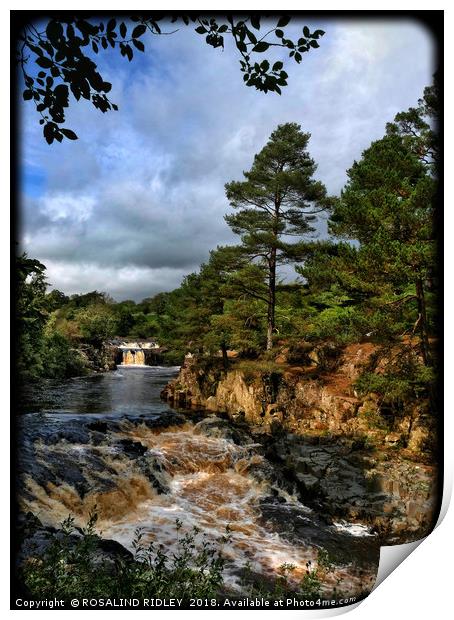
(388,206)
(278,199)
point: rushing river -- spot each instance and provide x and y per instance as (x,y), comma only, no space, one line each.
(109,440)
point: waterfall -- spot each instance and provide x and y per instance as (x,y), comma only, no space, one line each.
(133,357)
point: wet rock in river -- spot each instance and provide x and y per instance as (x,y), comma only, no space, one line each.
(153,469)
(300,526)
(132,449)
(98,426)
(214,426)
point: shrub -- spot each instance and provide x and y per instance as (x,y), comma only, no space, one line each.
(72,567)
(402,380)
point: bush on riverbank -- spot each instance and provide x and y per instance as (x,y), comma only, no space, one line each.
(72,567)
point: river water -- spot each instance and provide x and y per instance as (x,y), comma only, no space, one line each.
(109,441)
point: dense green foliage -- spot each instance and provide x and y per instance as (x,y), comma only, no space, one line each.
(41,351)
(388,206)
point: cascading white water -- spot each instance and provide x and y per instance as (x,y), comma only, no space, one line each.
(145,466)
(208,484)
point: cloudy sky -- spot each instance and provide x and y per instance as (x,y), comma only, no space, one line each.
(138,201)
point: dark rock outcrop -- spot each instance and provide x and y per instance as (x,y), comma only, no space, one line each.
(325,438)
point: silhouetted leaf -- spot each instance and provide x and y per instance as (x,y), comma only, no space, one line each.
(251,36)
(54,30)
(61,93)
(75,90)
(84,88)
(48,132)
(265,65)
(138,31)
(27,94)
(139,45)
(96,81)
(36,49)
(156,27)
(261,47)
(68,133)
(283,21)
(44,62)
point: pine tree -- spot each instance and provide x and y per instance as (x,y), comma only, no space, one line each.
(278,199)
(388,206)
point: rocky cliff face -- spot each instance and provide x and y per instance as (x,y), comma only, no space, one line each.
(302,400)
(337,447)
(98,359)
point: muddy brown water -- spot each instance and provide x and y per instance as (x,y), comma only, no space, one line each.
(110,441)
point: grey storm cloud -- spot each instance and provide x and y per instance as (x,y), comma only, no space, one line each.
(138,201)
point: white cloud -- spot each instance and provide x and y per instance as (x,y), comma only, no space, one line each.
(123,282)
(63,206)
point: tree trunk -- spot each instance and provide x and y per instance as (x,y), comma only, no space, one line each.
(422,321)
(271,300)
(225,359)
